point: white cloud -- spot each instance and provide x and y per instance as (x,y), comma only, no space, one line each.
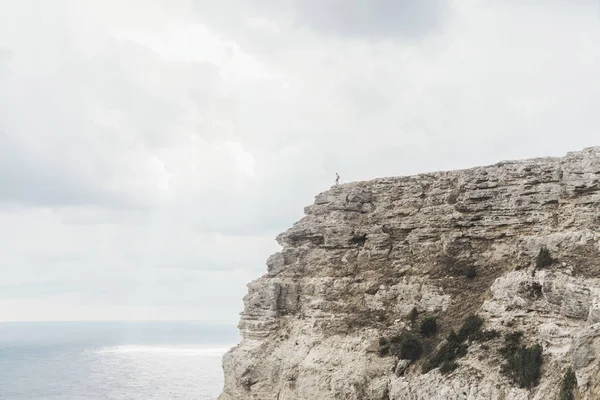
(151,151)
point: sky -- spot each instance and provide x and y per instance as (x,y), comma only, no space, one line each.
(151,150)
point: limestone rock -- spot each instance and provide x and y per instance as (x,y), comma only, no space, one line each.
(445,244)
(401,367)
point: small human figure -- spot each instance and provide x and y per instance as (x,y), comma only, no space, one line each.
(337,179)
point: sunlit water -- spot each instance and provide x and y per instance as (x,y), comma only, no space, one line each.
(128,361)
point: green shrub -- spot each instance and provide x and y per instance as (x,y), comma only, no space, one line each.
(455,347)
(523,364)
(512,342)
(471,328)
(470,272)
(428,327)
(544,258)
(569,383)
(404,346)
(456,267)
(452,349)
(396,339)
(413,315)
(453,337)
(411,348)
(447,367)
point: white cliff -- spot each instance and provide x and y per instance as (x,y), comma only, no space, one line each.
(367,253)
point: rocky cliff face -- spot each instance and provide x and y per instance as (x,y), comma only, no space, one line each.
(448,245)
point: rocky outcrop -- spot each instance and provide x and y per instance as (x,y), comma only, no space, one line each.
(448,245)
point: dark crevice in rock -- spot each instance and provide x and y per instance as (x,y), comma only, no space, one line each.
(358,240)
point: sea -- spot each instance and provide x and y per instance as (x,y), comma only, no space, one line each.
(112,360)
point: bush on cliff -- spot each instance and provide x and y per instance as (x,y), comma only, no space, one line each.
(405,346)
(413,316)
(428,327)
(522,364)
(446,355)
(447,367)
(411,348)
(455,345)
(569,384)
(455,267)
(544,258)
(384,347)
(470,272)
(512,341)
(471,328)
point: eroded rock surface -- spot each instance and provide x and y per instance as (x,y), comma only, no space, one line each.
(366,254)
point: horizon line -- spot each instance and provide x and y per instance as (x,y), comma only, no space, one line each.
(121,320)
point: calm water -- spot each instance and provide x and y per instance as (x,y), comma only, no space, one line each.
(100,360)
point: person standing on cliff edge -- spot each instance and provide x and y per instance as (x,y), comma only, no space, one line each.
(337,179)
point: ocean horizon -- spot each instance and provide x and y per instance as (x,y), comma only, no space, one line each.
(113,360)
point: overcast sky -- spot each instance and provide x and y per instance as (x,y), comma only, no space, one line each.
(150,151)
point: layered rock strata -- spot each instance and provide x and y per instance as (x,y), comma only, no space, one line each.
(366,254)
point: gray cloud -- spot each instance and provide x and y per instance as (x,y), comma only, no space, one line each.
(150,152)
(267,27)
(373,19)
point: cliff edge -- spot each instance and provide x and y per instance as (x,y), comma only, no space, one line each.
(503,262)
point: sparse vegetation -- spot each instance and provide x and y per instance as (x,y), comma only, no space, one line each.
(523,364)
(455,267)
(467,271)
(413,316)
(512,341)
(470,272)
(411,348)
(405,346)
(455,345)
(428,327)
(452,349)
(544,259)
(447,367)
(569,384)
(384,347)
(471,328)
